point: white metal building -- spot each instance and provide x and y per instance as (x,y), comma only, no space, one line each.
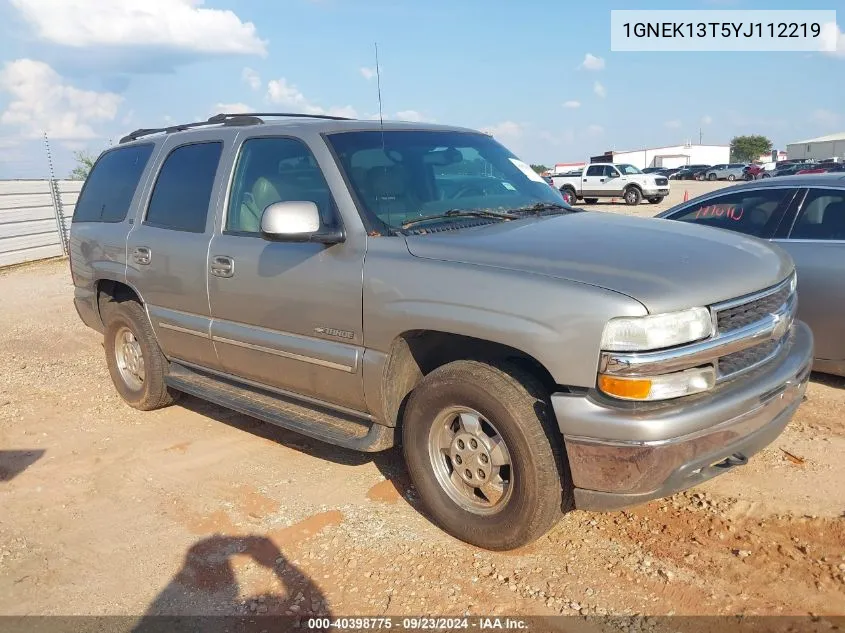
(830,146)
(670,156)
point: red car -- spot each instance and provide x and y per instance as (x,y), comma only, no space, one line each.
(813,169)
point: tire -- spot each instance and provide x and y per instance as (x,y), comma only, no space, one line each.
(656,200)
(633,196)
(711,177)
(591,200)
(765,175)
(731,177)
(569,196)
(129,335)
(513,408)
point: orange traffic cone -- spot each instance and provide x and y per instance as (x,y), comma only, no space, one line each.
(686,195)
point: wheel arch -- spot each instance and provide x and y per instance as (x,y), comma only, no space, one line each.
(415,353)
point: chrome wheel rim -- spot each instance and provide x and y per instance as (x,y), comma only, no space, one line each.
(129,358)
(471,461)
(630,196)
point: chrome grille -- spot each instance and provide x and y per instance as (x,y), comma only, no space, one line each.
(737,315)
(747,358)
(747,313)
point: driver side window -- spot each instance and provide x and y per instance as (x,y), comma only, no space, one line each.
(273,170)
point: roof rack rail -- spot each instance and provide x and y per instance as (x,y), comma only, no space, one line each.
(236,118)
(220,118)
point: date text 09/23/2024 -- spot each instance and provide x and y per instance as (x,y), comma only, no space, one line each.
(416,624)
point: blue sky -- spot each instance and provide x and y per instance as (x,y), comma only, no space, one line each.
(87,71)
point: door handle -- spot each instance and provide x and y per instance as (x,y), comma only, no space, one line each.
(585,180)
(142,255)
(601,179)
(222,266)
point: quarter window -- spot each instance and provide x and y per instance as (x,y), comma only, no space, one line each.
(111,185)
(182,191)
(750,212)
(822,216)
(273,170)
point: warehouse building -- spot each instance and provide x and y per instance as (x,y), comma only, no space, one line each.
(669,156)
(830,146)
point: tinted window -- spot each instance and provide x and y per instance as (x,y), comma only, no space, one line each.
(183,189)
(595,170)
(822,216)
(275,170)
(749,212)
(110,186)
(398,176)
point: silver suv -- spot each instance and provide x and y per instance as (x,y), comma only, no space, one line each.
(411,284)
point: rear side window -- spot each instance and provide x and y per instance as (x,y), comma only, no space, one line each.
(822,216)
(595,170)
(750,212)
(182,191)
(111,185)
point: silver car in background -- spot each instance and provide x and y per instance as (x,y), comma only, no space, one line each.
(805,215)
(729,171)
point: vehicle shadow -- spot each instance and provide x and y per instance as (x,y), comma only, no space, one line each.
(13,463)
(389,463)
(205,595)
(829,380)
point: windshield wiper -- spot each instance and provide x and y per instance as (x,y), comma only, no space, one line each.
(460,213)
(545,206)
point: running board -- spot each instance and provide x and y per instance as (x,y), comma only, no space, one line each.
(321,424)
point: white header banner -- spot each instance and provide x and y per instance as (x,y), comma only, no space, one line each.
(716,30)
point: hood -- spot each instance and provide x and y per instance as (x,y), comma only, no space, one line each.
(664,264)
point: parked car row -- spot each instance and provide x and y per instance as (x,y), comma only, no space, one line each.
(801,169)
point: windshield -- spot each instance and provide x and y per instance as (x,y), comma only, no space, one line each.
(401,176)
(628,170)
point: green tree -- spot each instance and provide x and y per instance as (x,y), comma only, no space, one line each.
(539,168)
(84,163)
(748,148)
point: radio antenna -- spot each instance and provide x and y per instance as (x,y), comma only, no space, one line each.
(378,85)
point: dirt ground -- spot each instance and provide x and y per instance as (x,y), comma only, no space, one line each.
(195,509)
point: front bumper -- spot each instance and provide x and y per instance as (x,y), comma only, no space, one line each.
(622,454)
(659,191)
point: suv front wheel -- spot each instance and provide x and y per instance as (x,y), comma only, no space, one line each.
(136,364)
(482,453)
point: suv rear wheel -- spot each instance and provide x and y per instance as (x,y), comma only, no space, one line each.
(481,451)
(136,364)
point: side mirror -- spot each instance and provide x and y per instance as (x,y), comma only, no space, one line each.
(296,221)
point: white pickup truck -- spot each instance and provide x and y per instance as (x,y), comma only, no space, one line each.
(610,180)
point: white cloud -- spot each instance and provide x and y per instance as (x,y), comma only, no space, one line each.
(595,130)
(504,130)
(367,73)
(413,116)
(833,39)
(232,108)
(673,124)
(252,78)
(163,24)
(825,117)
(572,104)
(706,119)
(280,92)
(600,90)
(591,62)
(41,102)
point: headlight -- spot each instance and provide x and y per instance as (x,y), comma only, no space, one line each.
(664,387)
(656,331)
